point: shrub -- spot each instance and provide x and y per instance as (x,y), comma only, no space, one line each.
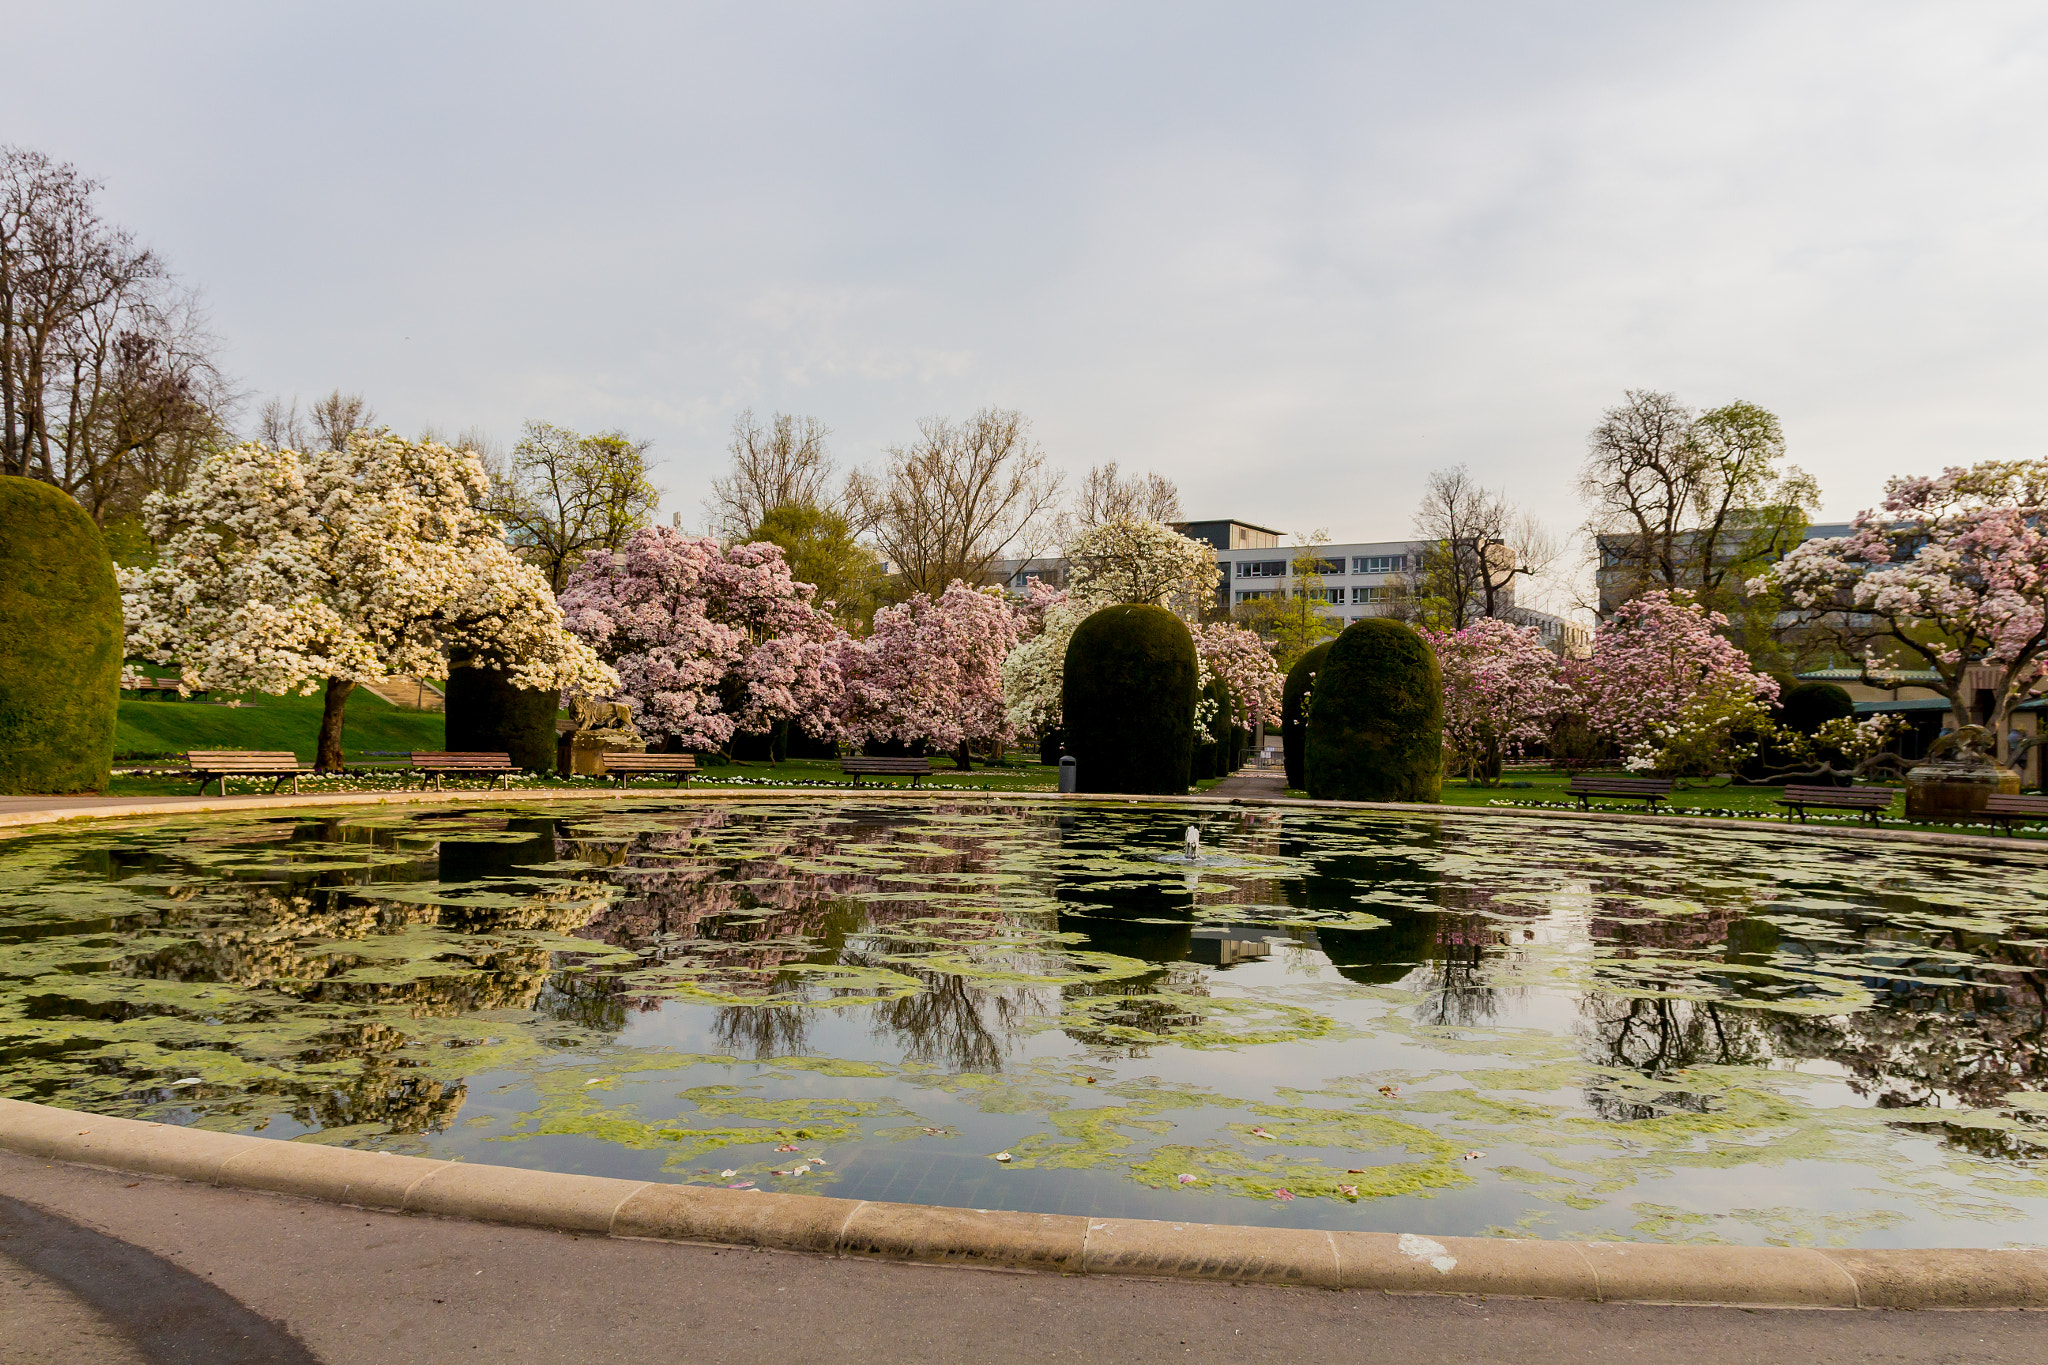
(61,643)
(1376,720)
(1808,706)
(1128,701)
(487,714)
(1293,716)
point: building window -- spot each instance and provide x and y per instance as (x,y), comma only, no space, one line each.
(1361,596)
(1379,563)
(1329,566)
(1254,593)
(1262,568)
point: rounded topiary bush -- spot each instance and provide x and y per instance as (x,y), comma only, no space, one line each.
(1128,702)
(1808,706)
(1376,719)
(487,714)
(61,643)
(1217,739)
(1293,713)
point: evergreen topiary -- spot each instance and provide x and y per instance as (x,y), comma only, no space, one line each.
(1293,717)
(61,644)
(1376,719)
(1806,707)
(487,714)
(1218,738)
(1128,701)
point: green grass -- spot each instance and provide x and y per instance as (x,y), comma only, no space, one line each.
(369,724)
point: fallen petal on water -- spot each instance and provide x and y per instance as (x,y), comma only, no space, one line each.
(1283,1194)
(1185,1179)
(1474,1156)
(189,1080)
(1002,1156)
(1349,1190)
(727,1174)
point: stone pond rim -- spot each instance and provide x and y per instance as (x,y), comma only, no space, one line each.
(1070,1244)
(1608,1272)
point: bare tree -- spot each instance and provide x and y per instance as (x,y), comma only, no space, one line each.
(1477,543)
(953,501)
(1692,502)
(563,495)
(1106,495)
(785,464)
(107,376)
(339,416)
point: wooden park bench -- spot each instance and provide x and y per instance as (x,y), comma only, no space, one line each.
(1867,801)
(208,764)
(439,765)
(858,766)
(2005,809)
(1649,790)
(622,765)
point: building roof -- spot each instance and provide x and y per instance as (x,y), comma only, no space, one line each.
(1877,677)
(1228,521)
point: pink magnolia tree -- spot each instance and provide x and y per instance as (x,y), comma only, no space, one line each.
(931,673)
(1950,574)
(1502,691)
(1241,659)
(707,642)
(1671,692)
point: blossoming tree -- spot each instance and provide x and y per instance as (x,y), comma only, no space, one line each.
(931,673)
(1669,690)
(1122,559)
(707,642)
(1502,688)
(1951,573)
(283,570)
(1241,659)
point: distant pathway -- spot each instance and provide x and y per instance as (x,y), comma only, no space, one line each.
(1253,779)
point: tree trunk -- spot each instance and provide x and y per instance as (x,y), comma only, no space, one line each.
(328,758)
(962,759)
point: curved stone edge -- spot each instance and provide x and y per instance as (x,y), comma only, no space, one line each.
(1608,1272)
(20,821)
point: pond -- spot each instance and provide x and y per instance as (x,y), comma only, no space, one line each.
(1454,1025)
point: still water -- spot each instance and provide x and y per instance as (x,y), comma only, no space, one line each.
(1455,1025)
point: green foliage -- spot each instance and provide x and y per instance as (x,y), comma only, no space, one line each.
(820,550)
(1294,714)
(1809,706)
(1129,701)
(1376,719)
(60,643)
(1297,617)
(487,714)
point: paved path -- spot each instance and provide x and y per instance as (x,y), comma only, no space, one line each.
(268,1278)
(1253,779)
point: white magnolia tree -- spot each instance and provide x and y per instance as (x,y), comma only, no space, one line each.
(1123,559)
(284,570)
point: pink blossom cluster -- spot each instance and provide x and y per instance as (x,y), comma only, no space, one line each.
(1241,659)
(1501,687)
(1653,659)
(707,641)
(931,672)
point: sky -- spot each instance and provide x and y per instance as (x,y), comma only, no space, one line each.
(1295,256)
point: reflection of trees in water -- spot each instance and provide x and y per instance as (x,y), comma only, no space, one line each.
(953,1024)
(1143,1003)
(383,1093)
(1656,1038)
(763,1031)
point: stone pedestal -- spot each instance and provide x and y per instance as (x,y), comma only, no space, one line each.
(1954,791)
(580,753)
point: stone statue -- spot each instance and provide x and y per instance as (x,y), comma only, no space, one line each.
(600,726)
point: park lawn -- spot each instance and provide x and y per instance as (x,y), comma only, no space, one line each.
(796,773)
(370,726)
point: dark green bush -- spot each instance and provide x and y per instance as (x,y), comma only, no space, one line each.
(487,714)
(1293,716)
(1808,706)
(1218,739)
(61,642)
(1128,703)
(1376,718)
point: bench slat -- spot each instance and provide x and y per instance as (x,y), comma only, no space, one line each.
(439,763)
(858,766)
(622,765)
(1866,801)
(2004,807)
(221,764)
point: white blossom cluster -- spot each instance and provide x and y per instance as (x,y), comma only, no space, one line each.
(280,569)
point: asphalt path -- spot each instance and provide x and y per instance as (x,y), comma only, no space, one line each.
(103,1268)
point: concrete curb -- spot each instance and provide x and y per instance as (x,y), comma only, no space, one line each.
(21,821)
(1603,1272)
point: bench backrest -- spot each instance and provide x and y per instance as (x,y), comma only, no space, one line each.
(423,759)
(1867,796)
(652,762)
(243,760)
(1628,785)
(2008,804)
(858,763)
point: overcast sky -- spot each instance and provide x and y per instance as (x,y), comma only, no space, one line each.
(1294,256)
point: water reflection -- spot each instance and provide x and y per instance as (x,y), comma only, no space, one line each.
(356,976)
